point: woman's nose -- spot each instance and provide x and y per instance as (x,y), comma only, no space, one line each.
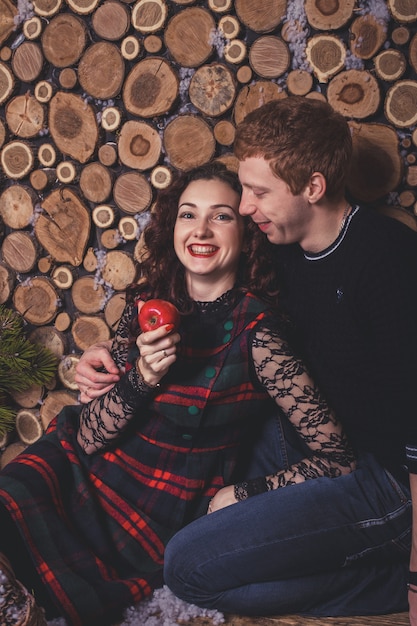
(202,229)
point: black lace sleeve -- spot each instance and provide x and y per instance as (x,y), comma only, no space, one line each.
(288,382)
(104,419)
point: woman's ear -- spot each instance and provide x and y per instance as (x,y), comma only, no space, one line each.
(316,187)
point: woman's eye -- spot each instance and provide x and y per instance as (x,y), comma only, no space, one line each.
(186,215)
(223,217)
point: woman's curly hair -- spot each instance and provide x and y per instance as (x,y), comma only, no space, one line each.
(161,273)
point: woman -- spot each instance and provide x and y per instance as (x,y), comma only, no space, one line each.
(110,483)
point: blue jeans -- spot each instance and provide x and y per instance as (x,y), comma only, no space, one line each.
(324,547)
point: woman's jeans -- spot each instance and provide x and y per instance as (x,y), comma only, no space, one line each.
(328,546)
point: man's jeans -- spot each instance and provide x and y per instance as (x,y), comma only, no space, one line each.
(324,547)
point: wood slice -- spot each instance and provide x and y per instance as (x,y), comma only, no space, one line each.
(45,264)
(324,15)
(37,300)
(111,118)
(269,56)
(400,35)
(63,228)
(27,61)
(150,88)
(244,74)
(66,172)
(401,103)
(17,204)
(111,239)
(161,177)
(130,48)
(19,251)
(253,96)
(29,398)
(101,70)
(367,36)
(189,142)
(2,133)
(103,216)
(8,12)
(404,11)
(25,116)
(11,452)
(47,155)
(139,145)
(90,262)
(407,198)
(149,16)
(326,55)
(50,338)
(17,159)
(219,6)
(412,52)
(43,91)
(73,126)
(7,82)
(7,280)
(87,330)
(111,20)
(390,64)
(153,44)
(187,36)
(132,192)
(229,26)
(119,269)
(88,295)
(64,40)
(53,403)
(83,7)
(41,179)
(32,28)
(63,276)
(66,371)
(96,182)
(107,154)
(68,78)
(46,8)
(235,51)
(377,165)
(128,228)
(28,426)
(224,133)
(262,17)
(299,82)
(62,321)
(114,309)
(354,93)
(212,89)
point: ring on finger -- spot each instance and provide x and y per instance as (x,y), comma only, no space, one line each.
(165,353)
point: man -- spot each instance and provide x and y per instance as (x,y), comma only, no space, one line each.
(336,546)
(350,287)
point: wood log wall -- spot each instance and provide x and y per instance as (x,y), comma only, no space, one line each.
(100,101)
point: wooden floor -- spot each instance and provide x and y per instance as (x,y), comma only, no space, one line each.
(397,619)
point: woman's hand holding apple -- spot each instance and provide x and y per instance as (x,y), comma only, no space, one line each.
(157,347)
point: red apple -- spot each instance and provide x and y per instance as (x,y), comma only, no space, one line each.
(156,312)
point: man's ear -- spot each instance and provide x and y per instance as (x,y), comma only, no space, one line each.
(316,187)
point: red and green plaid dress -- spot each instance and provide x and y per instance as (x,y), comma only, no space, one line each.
(97,525)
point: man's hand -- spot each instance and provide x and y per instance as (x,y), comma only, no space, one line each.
(91,382)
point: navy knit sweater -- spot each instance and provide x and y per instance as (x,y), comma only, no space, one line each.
(354,309)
